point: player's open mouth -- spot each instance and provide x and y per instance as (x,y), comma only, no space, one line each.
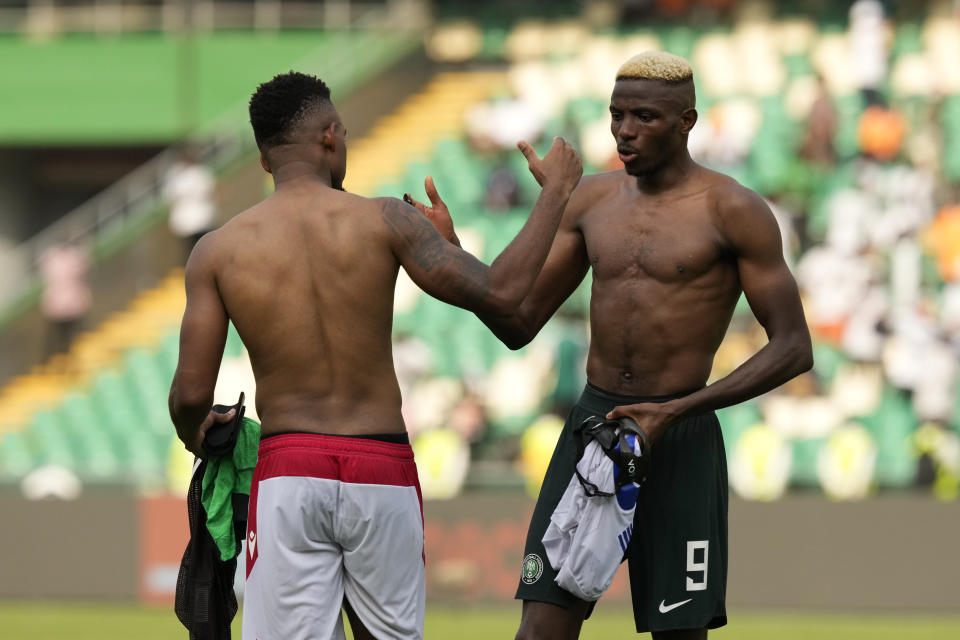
(626,157)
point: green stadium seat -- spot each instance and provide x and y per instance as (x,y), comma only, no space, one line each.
(735,420)
(52,442)
(150,388)
(232,349)
(169,351)
(826,360)
(803,471)
(892,426)
(849,108)
(16,457)
(908,38)
(679,41)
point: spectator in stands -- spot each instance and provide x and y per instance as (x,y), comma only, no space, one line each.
(943,238)
(880,132)
(503,191)
(868,48)
(190,189)
(821,128)
(498,124)
(66,297)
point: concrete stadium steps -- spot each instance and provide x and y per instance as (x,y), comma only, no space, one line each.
(410,133)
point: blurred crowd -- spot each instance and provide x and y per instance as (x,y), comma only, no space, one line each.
(852,135)
(849,128)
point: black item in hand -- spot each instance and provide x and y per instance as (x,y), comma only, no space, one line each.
(221,437)
(611,435)
(205,602)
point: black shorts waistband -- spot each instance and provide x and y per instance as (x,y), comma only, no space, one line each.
(395,438)
(596,399)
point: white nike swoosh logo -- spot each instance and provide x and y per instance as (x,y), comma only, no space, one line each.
(667,608)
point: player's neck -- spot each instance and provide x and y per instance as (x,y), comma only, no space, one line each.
(668,175)
(299,172)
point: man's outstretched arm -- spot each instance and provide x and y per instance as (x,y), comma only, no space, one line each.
(203,334)
(563,271)
(450,274)
(754,237)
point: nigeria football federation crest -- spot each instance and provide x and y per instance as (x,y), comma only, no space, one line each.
(532,568)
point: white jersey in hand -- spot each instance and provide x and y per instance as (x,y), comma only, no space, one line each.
(588,536)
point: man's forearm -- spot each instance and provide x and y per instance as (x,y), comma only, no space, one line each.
(775,364)
(514,271)
(186,418)
(510,329)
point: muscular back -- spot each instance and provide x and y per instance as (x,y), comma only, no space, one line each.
(307,278)
(665,283)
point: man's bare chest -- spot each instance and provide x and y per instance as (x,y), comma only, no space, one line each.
(636,241)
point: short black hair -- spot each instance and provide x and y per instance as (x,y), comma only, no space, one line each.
(278,105)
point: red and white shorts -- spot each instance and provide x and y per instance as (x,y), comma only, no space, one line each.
(333,517)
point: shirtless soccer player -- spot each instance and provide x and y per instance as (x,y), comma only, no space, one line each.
(307,277)
(671,245)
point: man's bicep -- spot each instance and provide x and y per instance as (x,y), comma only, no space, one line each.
(773,296)
(440,268)
(203,332)
(767,283)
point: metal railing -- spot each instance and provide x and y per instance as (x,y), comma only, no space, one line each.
(140,193)
(47,17)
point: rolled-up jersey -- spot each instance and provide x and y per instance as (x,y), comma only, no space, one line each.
(588,535)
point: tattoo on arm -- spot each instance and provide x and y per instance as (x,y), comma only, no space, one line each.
(424,245)
(453,275)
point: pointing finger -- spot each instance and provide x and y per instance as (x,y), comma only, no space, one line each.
(527,151)
(432,192)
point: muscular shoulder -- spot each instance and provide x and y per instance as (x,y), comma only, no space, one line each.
(394,213)
(591,190)
(206,256)
(388,206)
(737,210)
(401,223)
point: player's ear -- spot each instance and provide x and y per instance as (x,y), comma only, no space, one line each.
(264,163)
(329,137)
(687,119)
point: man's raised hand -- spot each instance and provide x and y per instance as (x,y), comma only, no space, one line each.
(561,167)
(437,213)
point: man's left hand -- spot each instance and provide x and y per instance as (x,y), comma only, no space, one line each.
(652,417)
(437,213)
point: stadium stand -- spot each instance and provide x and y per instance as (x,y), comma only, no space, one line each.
(870,230)
(861,229)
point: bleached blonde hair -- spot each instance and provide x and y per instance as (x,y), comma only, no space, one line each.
(656,65)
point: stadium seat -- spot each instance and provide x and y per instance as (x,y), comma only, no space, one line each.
(892,425)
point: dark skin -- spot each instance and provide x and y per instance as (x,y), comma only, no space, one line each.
(307,277)
(672,245)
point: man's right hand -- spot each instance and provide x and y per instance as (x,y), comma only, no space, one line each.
(561,167)
(194,443)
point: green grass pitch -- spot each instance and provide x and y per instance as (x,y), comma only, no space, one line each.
(56,621)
